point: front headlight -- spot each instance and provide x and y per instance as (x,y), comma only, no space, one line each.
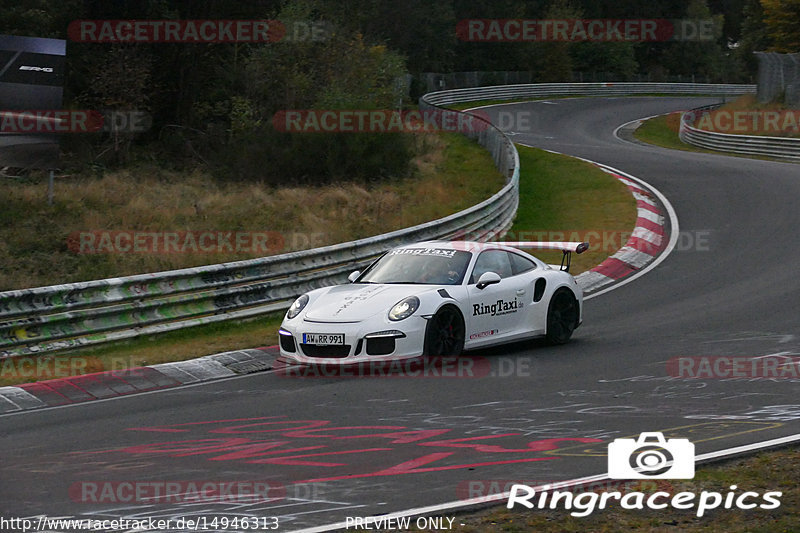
(404,308)
(297,306)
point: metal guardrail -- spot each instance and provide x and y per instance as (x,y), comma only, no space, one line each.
(780,147)
(539,90)
(50,319)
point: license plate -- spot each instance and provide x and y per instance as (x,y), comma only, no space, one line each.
(323,339)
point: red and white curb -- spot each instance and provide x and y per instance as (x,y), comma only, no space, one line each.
(648,245)
(115,383)
(647,241)
(652,239)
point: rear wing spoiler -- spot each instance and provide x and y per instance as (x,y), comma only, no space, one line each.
(566,247)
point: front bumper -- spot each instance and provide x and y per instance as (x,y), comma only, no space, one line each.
(370,340)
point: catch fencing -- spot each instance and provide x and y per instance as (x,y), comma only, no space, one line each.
(779,78)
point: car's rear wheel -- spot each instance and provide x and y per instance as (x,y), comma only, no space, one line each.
(444,335)
(562,317)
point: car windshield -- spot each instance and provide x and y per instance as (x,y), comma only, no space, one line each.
(425,266)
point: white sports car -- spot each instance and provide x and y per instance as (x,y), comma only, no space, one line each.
(436,298)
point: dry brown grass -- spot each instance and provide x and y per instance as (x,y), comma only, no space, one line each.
(451,173)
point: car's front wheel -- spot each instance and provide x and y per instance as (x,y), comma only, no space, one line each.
(444,335)
(562,316)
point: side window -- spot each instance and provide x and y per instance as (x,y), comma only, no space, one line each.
(520,264)
(492,261)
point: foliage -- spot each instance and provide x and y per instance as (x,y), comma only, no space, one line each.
(212,104)
(782,18)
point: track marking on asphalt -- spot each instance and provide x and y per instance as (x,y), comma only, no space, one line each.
(463,504)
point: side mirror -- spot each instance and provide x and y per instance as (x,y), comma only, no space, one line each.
(488,278)
(353,276)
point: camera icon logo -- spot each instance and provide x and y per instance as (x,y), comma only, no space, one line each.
(651,457)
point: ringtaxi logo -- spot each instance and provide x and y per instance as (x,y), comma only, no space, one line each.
(650,456)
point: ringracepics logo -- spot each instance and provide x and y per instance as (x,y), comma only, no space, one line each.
(651,456)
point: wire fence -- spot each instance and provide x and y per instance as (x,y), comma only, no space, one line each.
(779,78)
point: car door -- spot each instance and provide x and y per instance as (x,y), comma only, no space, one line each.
(496,311)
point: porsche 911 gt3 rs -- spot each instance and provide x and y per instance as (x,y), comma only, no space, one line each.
(436,298)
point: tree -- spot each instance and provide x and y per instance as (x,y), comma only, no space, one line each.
(699,58)
(782,20)
(753,38)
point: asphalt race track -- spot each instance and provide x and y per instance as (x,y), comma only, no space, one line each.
(333,447)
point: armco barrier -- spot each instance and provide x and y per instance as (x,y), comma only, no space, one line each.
(49,319)
(780,147)
(544,90)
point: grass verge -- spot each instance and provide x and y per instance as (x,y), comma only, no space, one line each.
(563,198)
(663,129)
(41,244)
(747,116)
